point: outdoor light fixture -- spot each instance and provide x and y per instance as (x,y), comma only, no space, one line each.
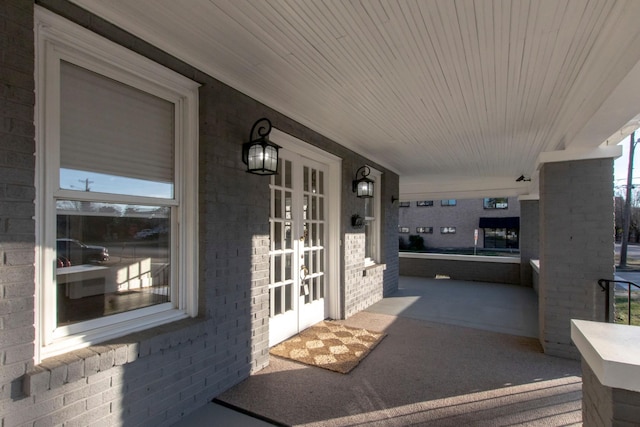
(363,187)
(260,155)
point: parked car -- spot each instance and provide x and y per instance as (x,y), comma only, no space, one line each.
(144,234)
(76,252)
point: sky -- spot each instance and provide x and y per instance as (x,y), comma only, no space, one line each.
(621,165)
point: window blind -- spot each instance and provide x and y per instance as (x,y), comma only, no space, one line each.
(111,128)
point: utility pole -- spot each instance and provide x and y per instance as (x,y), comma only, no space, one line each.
(86,183)
(627,204)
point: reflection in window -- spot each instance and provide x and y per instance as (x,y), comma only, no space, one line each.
(497,238)
(111,258)
(495,203)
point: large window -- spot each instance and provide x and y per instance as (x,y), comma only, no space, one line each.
(117,162)
(501,238)
(495,203)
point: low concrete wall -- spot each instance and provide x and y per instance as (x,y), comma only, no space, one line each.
(610,372)
(535,274)
(462,267)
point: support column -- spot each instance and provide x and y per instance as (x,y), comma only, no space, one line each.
(576,247)
(529,238)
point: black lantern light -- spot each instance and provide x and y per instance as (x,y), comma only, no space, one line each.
(363,187)
(260,155)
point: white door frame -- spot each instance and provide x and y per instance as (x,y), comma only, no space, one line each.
(334,183)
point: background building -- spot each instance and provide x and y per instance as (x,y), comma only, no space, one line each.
(452,223)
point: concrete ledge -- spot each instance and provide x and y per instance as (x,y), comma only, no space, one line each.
(535,264)
(611,351)
(454,257)
(476,268)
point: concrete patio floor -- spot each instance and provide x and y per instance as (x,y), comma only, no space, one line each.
(456,353)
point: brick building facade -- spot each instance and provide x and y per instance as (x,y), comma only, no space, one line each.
(451,223)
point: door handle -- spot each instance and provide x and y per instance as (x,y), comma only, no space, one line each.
(304,272)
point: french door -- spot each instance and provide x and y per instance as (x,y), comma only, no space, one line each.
(297,280)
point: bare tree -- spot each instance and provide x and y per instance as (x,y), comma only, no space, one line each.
(627,203)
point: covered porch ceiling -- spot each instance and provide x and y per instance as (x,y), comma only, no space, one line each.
(459,97)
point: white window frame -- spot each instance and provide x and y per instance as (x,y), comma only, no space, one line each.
(58,39)
(376,177)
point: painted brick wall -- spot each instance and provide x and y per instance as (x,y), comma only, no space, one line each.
(576,199)
(363,286)
(17,193)
(606,406)
(390,233)
(157,376)
(529,238)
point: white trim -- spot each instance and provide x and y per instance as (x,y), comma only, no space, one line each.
(602,152)
(528,197)
(611,351)
(58,39)
(376,176)
(334,183)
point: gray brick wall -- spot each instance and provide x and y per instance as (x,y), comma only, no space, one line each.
(390,234)
(529,238)
(607,406)
(576,247)
(17,193)
(154,377)
(363,286)
(464,216)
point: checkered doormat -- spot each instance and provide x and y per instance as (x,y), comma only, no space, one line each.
(329,345)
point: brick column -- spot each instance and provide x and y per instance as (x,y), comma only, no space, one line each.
(529,238)
(576,247)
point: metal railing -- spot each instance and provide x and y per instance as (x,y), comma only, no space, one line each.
(605,285)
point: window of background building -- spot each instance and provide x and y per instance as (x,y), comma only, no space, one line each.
(405,204)
(501,238)
(403,229)
(448,202)
(496,203)
(424,203)
(112,192)
(424,230)
(447,230)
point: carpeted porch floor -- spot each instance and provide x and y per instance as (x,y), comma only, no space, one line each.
(430,371)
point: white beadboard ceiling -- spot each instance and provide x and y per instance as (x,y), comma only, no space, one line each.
(459,97)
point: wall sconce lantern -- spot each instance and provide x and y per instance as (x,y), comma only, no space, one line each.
(363,187)
(259,154)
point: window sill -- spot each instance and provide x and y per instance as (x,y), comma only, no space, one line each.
(76,365)
(372,268)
